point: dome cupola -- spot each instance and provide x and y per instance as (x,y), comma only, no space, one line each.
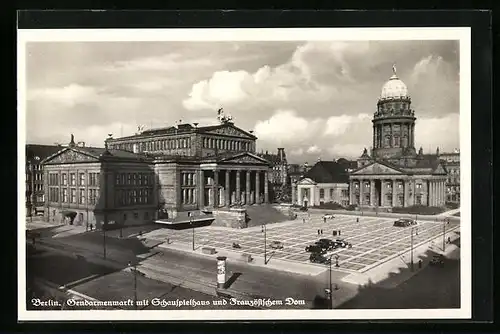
(394,88)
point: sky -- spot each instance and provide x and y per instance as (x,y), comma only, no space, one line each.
(314,98)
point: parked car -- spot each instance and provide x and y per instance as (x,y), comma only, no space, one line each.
(319,258)
(329,216)
(276,245)
(326,244)
(404,222)
(437,260)
(315,249)
(342,243)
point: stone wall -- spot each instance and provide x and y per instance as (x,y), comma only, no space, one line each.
(234,218)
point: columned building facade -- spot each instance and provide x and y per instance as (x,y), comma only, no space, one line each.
(156,174)
(393,174)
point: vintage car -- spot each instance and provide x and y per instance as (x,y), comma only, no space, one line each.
(404,222)
(326,244)
(314,249)
(342,243)
(276,245)
(319,258)
(328,216)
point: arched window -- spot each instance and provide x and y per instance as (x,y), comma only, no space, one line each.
(387,141)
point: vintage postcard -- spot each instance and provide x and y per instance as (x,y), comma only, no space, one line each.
(173,174)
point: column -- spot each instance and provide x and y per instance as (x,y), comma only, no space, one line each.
(266,188)
(361,184)
(431,193)
(394,192)
(294,193)
(406,199)
(247,188)
(383,187)
(374,135)
(351,192)
(441,194)
(312,190)
(299,196)
(257,187)
(227,198)
(201,189)
(238,186)
(372,192)
(215,189)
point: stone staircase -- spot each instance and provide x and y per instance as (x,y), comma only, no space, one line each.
(264,214)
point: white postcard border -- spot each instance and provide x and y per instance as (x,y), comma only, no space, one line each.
(462,34)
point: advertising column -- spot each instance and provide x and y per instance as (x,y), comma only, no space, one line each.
(221,271)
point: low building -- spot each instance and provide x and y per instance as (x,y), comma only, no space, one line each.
(452,163)
(35,192)
(325,182)
(278,173)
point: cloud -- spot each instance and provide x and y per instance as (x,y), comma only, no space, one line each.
(338,125)
(285,127)
(313,150)
(67,96)
(168,62)
(438,131)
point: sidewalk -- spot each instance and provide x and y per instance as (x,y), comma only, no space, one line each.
(276,264)
(397,270)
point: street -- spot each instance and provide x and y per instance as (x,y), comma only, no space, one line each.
(432,287)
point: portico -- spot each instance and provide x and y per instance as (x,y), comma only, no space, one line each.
(226,185)
(379,185)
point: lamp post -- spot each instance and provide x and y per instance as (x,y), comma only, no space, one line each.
(444,233)
(133,269)
(264,230)
(192,226)
(330,275)
(411,245)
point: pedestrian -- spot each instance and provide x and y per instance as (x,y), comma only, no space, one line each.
(321,232)
(304,220)
(339,232)
(318,232)
(357,219)
(449,240)
(419,264)
(324,219)
(91,226)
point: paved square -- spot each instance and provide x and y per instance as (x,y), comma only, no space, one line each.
(374,239)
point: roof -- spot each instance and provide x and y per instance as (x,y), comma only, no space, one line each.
(328,172)
(99,152)
(349,164)
(182,129)
(41,151)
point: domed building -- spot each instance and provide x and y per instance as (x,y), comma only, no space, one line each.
(393,174)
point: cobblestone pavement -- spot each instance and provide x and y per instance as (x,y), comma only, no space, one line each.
(374,239)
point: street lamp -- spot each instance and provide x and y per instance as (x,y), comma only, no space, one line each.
(330,275)
(133,269)
(192,226)
(444,233)
(264,230)
(411,245)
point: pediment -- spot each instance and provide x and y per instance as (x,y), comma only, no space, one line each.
(439,170)
(306,181)
(246,159)
(377,169)
(70,156)
(230,130)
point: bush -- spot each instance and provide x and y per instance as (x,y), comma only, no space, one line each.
(330,206)
(452,205)
(419,210)
(351,207)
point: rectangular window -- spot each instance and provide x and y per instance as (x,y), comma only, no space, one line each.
(140,179)
(136,215)
(64,177)
(322,193)
(81,196)
(419,186)
(72,179)
(82,179)
(117,179)
(135,179)
(65,195)
(72,197)
(129,178)
(419,200)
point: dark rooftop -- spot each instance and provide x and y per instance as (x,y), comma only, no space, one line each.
(41,151)
(328,172)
